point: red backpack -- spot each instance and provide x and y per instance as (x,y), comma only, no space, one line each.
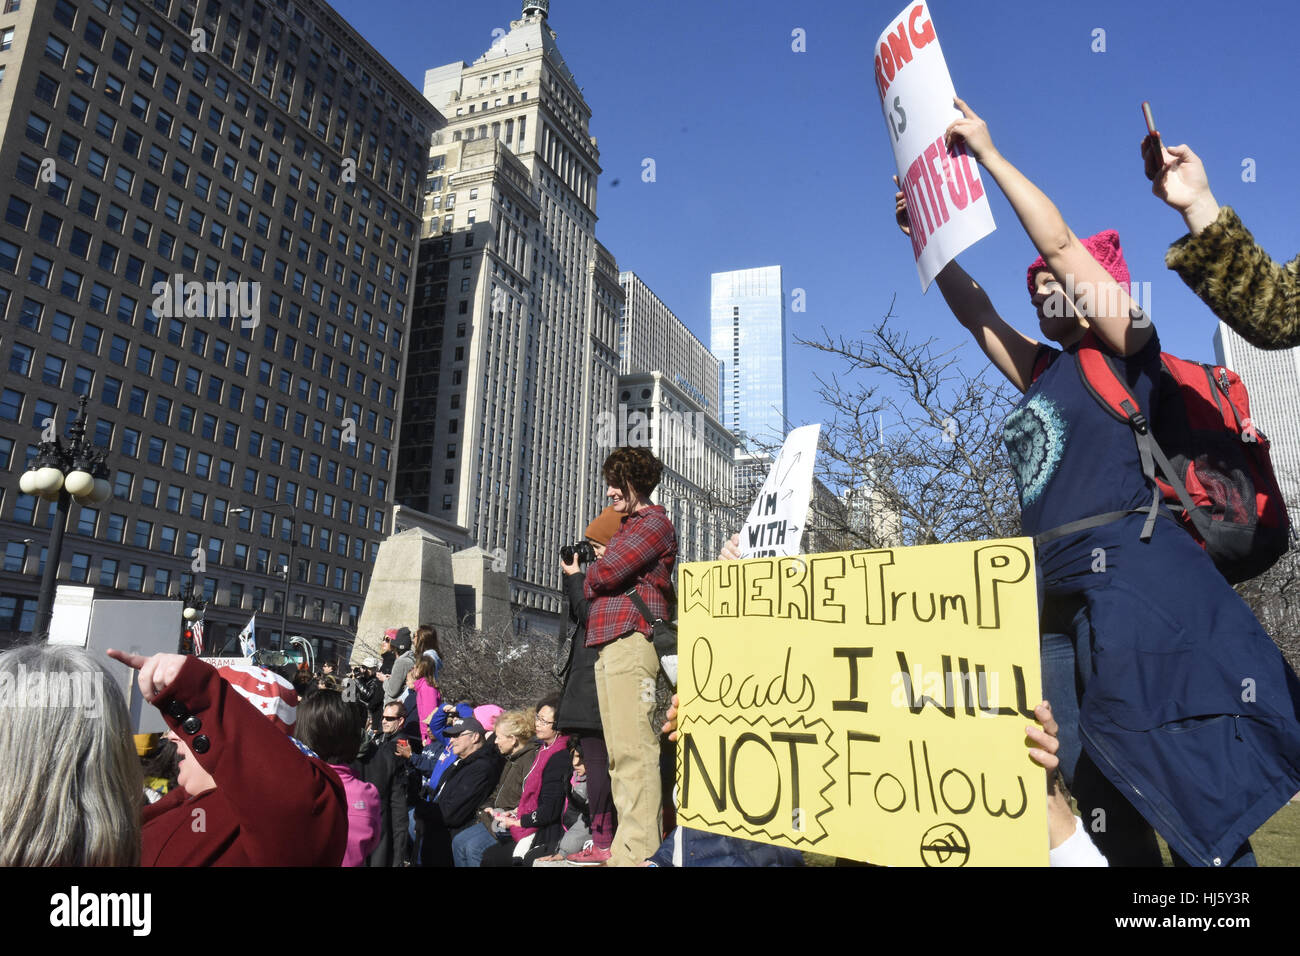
(1217,478)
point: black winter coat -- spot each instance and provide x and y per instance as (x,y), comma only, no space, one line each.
(579,712)
(379,765)
(463,788)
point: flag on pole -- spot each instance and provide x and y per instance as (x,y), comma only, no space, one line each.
(196,631)
(248,638)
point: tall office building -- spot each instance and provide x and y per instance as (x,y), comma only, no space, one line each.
(748,337)
(1273,378)
(260,164)
(652,338)
(516,317)
(668,401)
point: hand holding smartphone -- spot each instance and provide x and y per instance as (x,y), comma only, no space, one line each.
(1152,152)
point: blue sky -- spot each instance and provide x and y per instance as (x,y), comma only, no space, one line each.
(767,156)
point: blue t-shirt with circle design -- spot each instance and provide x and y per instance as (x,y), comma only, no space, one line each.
(1070,457)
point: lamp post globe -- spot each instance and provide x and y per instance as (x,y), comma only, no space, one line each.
(48,482)
(79,483)
(62,472)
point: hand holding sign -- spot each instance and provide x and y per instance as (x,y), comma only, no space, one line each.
(970,131)
(900,212)
(1060,818)
(776,521)
(943,192)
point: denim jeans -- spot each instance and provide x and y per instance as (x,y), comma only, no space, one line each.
(1120,832)
(467,847)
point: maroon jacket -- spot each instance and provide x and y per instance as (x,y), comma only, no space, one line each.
(273,805)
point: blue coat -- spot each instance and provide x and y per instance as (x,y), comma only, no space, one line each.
(1190,708)
(711,849)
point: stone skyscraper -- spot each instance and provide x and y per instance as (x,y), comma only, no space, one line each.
(514,337)
(668,400)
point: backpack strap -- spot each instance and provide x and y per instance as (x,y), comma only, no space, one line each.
(1106,384)
(1042,362)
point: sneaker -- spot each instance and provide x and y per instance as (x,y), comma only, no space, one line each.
(589,855)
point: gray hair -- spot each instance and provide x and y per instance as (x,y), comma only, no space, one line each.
(71,787)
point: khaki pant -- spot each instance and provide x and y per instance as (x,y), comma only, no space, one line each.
(625,689)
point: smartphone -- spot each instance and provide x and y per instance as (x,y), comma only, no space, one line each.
(1152,167)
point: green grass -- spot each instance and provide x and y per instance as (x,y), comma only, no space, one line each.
(1276,843)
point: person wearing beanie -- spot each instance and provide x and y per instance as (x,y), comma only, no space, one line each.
(1144,664)
(395,687)
(639,559)
(579,711)
(248,793)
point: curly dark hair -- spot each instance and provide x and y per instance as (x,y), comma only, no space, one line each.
(635,467)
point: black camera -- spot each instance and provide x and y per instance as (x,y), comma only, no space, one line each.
(582,550)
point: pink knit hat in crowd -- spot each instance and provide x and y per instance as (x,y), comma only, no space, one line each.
(487,714)
(1104,247)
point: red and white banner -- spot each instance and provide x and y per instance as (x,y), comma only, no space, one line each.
(945,197)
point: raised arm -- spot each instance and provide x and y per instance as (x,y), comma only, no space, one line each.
(1219,258)
(1105,303)
(1012,352)
(291,808)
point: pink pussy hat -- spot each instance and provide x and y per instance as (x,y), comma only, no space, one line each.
(1104,247)
(487,714)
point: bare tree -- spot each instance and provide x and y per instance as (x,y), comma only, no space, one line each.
(1274,596)
(505,668)
(909,426)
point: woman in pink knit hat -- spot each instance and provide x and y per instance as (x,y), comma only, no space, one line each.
(1144,660)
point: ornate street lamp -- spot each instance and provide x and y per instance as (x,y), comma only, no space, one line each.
(59,473)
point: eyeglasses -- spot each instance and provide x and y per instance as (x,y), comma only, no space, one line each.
(393,717)
(539,719)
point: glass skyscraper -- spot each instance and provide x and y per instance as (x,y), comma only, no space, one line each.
(748,338)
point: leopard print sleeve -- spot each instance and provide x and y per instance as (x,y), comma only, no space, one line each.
(1240,283)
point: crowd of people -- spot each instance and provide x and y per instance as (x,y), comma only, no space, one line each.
(374,768)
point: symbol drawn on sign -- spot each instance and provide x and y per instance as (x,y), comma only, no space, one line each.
(945,845)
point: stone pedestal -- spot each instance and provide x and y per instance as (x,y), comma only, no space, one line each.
(412,584)
(479,572)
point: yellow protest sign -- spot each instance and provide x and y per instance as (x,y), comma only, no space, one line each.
(865,704)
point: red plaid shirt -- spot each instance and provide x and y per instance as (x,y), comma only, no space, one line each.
(641,553)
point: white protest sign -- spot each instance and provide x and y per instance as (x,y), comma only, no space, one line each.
(776,521)
(70,619)
(945,197)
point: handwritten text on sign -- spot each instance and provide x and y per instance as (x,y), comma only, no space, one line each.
(866,704)
(947,208)
(776,520)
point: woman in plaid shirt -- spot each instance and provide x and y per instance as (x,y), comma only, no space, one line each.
(640,555)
